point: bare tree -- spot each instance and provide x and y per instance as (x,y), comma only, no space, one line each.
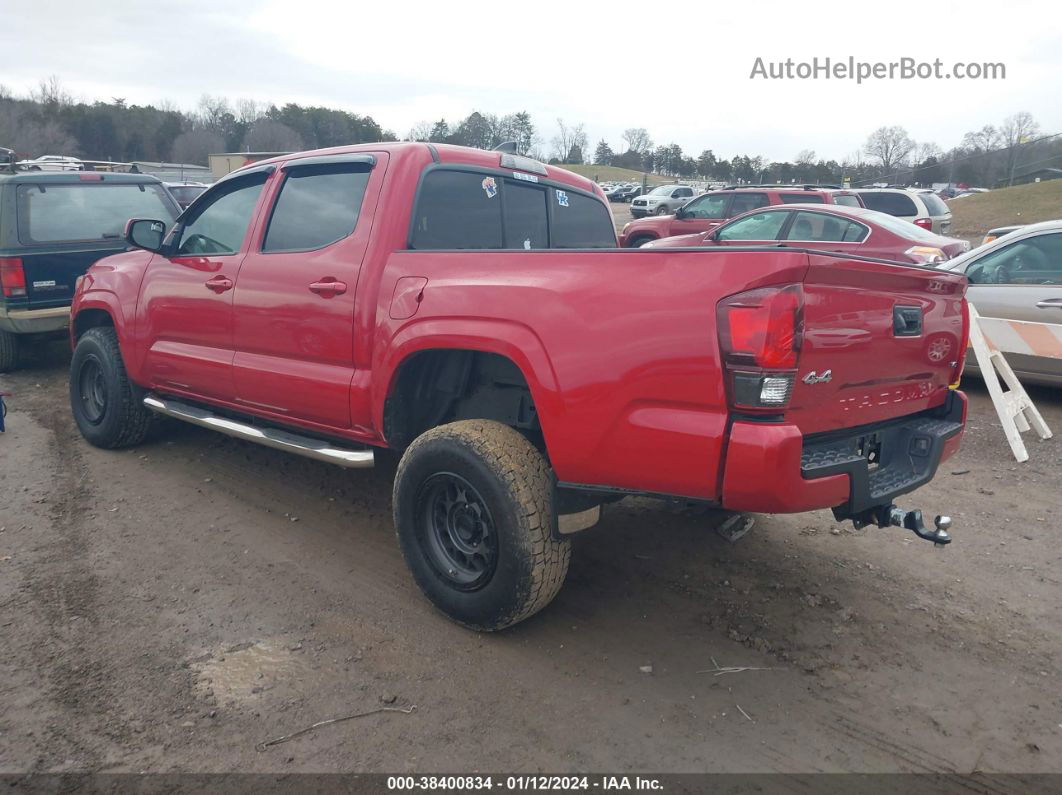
(267,135)
(194,146)
(569,140)
(51,93)
(31,138)
(1016,130)
(421,131)
(890,145)
(637,139)
(212,112)
(248,111)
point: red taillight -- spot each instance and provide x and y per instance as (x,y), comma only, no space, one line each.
(762,327)
(12,277)
(759,336)
(925,223)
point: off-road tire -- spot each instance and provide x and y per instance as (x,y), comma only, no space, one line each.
(516,485)
(9,353)
(123,421)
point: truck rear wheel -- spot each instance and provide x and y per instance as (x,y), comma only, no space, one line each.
(8,352)
(107,406)
(473,509)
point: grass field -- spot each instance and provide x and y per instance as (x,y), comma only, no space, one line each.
(613,174)
(972,216)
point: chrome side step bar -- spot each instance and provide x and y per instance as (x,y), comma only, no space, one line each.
(269,437)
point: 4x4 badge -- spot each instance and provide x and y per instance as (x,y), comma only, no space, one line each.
(815,378)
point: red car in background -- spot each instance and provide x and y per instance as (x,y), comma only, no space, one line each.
(848,230)
(709,210)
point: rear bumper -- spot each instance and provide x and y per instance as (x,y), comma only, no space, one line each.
(34,321)
(773,468)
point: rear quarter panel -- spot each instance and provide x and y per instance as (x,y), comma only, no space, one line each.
(619,348)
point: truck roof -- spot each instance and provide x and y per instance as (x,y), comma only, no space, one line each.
(449,154)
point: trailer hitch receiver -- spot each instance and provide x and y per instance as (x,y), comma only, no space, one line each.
(892,516)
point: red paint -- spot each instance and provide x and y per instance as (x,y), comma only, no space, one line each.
(619,347)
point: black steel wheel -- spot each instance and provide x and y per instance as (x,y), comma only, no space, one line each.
(457,530)
(92,389)
(107,406)
(473,505)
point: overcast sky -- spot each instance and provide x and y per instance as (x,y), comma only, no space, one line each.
(681,69)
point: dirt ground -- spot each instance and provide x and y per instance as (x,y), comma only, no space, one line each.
(170,607)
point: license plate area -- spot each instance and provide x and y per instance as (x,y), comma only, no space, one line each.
(868,447)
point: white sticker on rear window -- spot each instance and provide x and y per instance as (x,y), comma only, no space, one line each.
(490,187)
(562,198)
(525,177)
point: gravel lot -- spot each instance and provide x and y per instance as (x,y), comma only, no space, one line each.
(170,607)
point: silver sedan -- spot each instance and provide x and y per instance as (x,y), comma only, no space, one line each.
(1019,277)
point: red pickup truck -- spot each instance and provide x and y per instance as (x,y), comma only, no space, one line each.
(472,311)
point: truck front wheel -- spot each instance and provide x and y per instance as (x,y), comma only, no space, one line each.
(473,509)
(106,405)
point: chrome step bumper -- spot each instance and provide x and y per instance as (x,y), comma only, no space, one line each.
(270,437)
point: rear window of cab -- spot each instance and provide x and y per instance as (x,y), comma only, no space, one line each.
(458,209)
(68,212)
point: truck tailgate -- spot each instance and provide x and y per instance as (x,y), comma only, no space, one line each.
(50,275)
(880,341)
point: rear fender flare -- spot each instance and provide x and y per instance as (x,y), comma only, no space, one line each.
(514,341)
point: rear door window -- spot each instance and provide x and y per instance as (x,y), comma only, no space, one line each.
(318,205)
(457,209)
(823,228)
(86,211)
(743,202)
(898,204)
(581,221)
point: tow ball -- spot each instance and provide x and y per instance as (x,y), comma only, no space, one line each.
(892,516)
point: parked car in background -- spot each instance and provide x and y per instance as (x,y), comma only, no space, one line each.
(615,193)
(922,208)
(184,193)
(847,230)
(632,193)
(1019,277)
(662,200)
(52,228)
(998,232)
(51,163)
(711,209)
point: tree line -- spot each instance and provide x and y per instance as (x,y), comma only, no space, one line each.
(51,121)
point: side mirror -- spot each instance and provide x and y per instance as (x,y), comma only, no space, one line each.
(680,214)
(145,233)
